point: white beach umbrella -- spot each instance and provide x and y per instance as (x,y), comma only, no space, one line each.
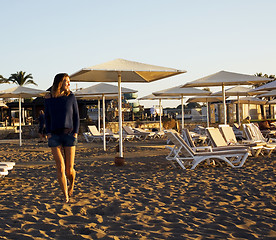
(159,98)
(102,91)
(103,88)
(235,91)
(178,91)
(21,92)
(224,78)
(271,93)
(96,97)
(206,99)
(266,87)
(252,100)
(120,70)
(253,92)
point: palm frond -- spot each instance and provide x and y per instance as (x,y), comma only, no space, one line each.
(30,82)
(21,78)
(3,80)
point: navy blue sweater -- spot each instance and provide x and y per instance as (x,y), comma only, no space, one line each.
(62,113)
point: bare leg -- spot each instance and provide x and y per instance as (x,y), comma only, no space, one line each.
(60,166)
(69,153)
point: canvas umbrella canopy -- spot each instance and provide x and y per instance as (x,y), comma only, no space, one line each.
(103,90)
(21,92)
(237,91)
(121,70)
(256,92)
(252,100)
(159,98)
(224,78)
(206,99)
(266,87)
(271,93)
(178,91)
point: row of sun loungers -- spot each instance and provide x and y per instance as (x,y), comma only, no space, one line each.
(189,158)
(223,146)
(129,133)
(5,167)
(225,137)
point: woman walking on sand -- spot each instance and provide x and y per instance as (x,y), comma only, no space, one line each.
(62,125)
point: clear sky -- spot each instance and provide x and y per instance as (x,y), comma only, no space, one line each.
(202,37)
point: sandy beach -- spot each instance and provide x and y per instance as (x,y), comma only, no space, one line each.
(144,199)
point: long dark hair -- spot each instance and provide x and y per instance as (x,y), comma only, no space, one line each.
(57,84)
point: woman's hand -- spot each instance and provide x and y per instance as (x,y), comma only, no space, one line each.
(75,135)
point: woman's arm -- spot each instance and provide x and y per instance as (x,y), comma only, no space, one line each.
(76,117)
(47,118)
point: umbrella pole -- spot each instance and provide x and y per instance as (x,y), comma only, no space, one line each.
(224,104)
(182,114)
(207,111)
(120,114)
(239,114)
(20,137)
(104,140)
(23,113)
(99,114)
(160,116)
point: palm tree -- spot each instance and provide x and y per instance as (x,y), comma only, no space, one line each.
(20,78)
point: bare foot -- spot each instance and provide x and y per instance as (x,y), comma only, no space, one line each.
(71,185)
(70,189)
(67,200)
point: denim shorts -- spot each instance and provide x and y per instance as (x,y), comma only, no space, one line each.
(65,140)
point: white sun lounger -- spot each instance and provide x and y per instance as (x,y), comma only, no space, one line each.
(3,172)
(131,133)
(186,157)
(254,135)
(93,134)
(5,167)
(230,139)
